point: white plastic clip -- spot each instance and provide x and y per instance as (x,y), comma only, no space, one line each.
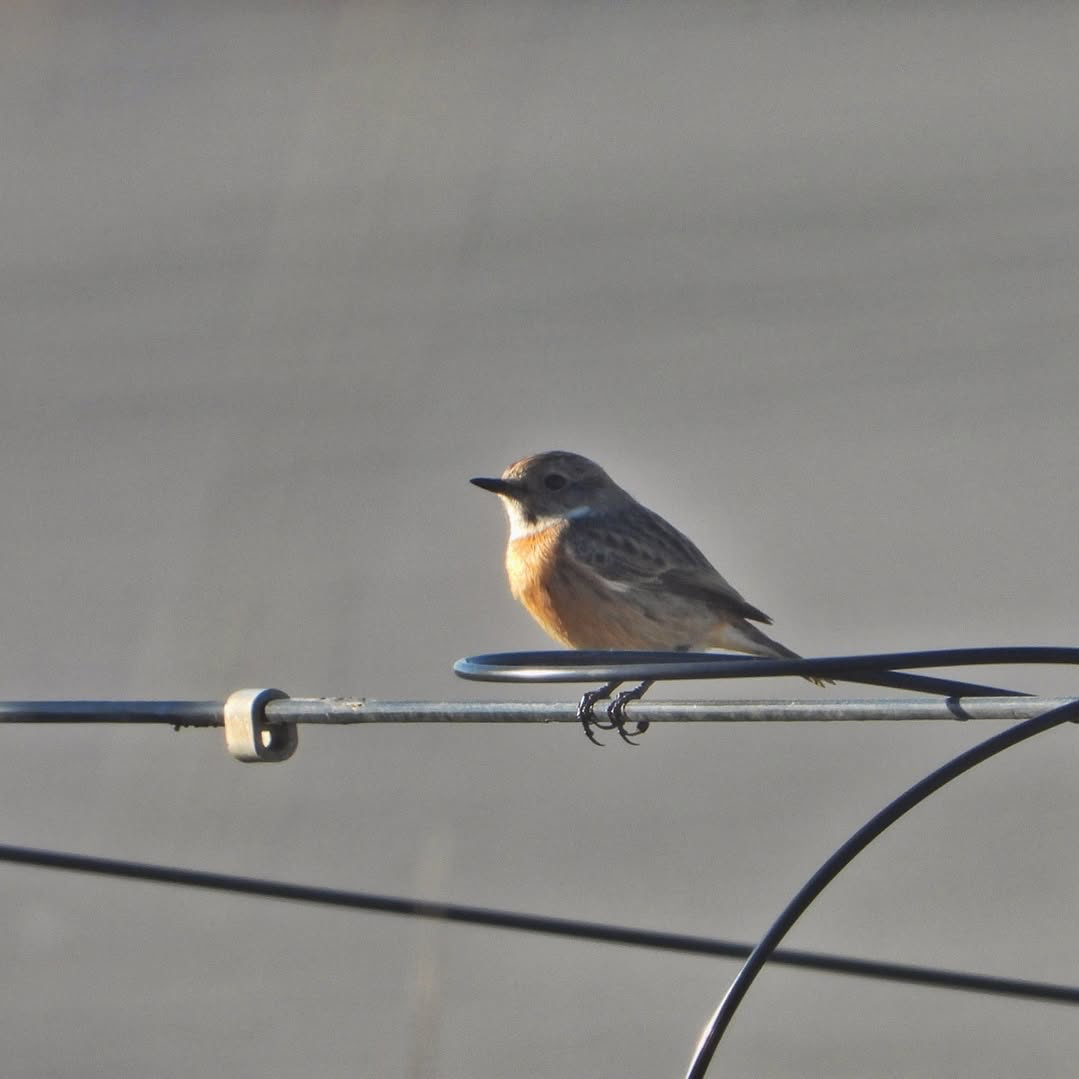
(248,737)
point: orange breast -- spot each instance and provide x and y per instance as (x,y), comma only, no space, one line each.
(532,567)
(574,606)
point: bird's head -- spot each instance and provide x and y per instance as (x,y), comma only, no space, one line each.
(538,491)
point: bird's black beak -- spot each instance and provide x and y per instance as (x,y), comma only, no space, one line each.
(499,487)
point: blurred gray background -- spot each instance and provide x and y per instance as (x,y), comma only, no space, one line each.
(276,279)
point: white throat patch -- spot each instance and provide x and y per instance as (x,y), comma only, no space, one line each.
(520,526)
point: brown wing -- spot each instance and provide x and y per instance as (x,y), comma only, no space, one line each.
(718,593)
(636,548)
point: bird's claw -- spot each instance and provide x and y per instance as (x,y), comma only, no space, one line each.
(585,715)
(616,713)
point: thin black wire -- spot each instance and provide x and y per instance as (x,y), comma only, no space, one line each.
(535,923)
(865,835)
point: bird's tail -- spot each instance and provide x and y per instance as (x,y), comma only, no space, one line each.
(743,636)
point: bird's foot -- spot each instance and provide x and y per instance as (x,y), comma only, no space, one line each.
(616,712)
(585,715)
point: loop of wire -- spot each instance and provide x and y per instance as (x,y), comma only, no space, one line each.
(882,669)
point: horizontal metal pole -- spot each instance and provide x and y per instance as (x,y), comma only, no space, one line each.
(345,710)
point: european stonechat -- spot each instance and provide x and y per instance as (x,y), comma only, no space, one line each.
(597,570)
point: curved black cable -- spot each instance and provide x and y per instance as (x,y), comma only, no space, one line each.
(566,665)
(880,669)
(865,835)
(874,669)
(536,923)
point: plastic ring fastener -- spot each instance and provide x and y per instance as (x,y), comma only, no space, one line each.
(248,736)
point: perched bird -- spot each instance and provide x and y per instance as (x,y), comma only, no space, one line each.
(598,570)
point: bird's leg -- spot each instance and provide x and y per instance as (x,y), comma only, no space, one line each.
(588,702)
(616,710)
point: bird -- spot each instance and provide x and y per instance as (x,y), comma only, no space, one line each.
(598,570)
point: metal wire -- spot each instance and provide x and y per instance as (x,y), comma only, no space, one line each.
(878,669)
(865,835)
(875,669)
(535,923)
(588,666)
(884,669)
(569,666)
(345,711)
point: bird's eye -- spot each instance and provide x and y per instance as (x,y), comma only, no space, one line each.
(554,482)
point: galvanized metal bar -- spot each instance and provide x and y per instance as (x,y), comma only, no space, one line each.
(335,710)
(347,710)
